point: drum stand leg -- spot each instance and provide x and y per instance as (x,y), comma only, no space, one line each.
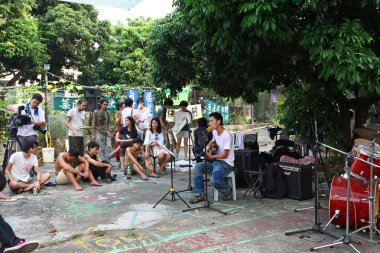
(336,215)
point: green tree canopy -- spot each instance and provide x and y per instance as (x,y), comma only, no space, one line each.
(329,47)
(124,57)
(22,51)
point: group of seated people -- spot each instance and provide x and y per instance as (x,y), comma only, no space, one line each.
(24,174)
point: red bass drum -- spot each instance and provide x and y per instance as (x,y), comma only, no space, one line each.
(359,206)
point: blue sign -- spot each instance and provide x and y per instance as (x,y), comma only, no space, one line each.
(134,95)
(149,102)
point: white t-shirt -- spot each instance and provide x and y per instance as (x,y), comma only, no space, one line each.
(77,119)
(21,167)
(157,137)
(143,118)
(27,130)
(128,111)
(225,141)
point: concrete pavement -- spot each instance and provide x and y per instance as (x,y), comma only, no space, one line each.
(119,217)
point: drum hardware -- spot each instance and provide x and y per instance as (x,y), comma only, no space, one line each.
(371,226)
(336,215)
(346,238)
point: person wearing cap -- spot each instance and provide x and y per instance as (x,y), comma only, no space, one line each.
(135,157)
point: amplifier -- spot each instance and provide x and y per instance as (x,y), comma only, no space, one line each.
(245,160)
(299,180)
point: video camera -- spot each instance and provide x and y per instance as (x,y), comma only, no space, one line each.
(18,120)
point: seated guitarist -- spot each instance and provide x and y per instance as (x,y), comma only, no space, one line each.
(221,163)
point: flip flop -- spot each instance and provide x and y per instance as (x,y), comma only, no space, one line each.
(196,200)
(154,175)
(144,178)
(50,184)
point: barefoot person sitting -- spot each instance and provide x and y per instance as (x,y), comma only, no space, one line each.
(98,167)
(135,157)
(23,171)
(155,136)
(68,175)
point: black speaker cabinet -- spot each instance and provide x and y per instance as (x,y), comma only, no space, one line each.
(245,160)
(299,180)
(93,96)
(91,92)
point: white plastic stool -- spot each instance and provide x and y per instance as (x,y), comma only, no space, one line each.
(231,182)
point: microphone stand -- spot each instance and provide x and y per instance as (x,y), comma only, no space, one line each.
(206,203)
(189,186)
(171,191)
(317,224)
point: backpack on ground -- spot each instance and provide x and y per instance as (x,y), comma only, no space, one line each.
(274,184)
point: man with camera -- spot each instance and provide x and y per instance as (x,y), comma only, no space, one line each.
(29,119)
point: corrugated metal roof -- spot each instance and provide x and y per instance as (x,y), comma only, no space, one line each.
(122,4)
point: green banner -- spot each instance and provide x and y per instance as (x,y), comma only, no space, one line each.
(211,106)
(65,104)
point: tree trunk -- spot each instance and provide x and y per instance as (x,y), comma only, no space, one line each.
(14,79)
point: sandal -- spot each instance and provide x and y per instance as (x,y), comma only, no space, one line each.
(144,178)
(196,200)
(154,175)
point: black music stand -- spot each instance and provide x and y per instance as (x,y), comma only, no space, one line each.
(171,191)
(206,203)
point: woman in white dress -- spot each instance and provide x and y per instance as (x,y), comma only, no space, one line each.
(153,139)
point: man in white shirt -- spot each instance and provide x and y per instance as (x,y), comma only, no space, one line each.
(220,157)
(143,117)
(20,167)
(128,110)
(75,123)
(28,132)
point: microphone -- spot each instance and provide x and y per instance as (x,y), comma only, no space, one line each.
(208,130)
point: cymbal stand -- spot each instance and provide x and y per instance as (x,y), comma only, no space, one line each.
(346,239)
(371,226)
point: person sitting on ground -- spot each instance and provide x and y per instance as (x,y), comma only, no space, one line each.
(98,167)
(23,171)
(155,136)
(68,175)
(135,157)
(124,137)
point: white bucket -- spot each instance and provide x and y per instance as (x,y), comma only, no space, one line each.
(48,155)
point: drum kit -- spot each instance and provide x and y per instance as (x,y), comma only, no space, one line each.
(354,196)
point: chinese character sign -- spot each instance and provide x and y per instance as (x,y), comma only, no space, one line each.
(134,95)
(196,111)
(65,104)
(149,101)
(211,106)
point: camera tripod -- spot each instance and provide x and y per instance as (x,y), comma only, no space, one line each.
(10,147)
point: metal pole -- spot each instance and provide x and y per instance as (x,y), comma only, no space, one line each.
(46,101)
